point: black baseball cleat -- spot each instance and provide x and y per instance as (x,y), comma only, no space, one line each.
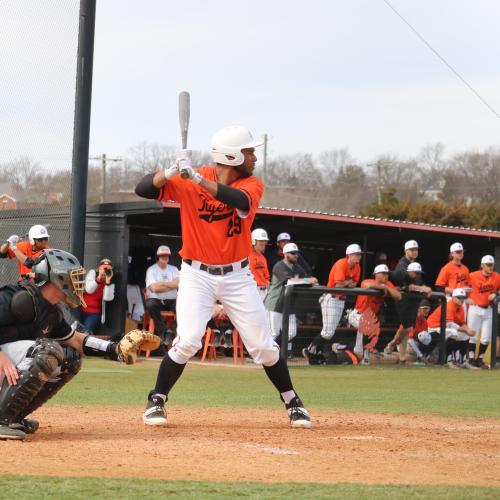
(27,425)
(6,432)
(155,413)
(299,417)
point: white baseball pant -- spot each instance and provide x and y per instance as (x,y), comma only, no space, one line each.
(480,320)
(353,317)
(198,292)
(262,292)
(276,321)
(332,309)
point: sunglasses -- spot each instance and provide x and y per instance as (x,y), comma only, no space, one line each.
(41,239)
(293,253)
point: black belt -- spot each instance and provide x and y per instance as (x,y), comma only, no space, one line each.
(218,270)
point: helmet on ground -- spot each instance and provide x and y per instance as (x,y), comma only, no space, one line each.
(64,271)
(259,235)
(36,232)
(228,142)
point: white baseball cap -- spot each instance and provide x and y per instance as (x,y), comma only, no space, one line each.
(283,236)
(415,267)
(290,247)
(424,337)
(163,250)
(459,292)
(488,259)
(354,248)
(381,268)
(411,244)
(456,247)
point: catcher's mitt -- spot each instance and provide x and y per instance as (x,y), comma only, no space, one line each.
(135,341)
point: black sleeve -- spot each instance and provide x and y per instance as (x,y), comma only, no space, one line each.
(146,188)
(282,272)
(62,331)
(399,274)
(29,262)
(233,197)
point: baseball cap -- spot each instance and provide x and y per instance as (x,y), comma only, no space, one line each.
(354,248)
(411,244)
(381,268)
(415,267)
(459,292)
(488,259)
(456,247)
(105,262)
(290,247)
(163,250)
(283,236)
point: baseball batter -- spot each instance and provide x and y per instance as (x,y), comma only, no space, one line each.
(26,251)
(39,351)
(258,261)
(485,285)
(217,207)
(345,273)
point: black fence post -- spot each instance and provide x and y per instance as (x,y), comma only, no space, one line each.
(285,326)
(494,333)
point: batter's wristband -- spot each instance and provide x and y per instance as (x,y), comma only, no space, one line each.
(197,178)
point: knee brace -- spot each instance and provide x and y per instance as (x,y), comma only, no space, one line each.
(15,399)
(70,366)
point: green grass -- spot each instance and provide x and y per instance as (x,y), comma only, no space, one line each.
(435,390)
(35,487)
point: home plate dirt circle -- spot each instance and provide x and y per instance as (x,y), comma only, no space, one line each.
(229,444)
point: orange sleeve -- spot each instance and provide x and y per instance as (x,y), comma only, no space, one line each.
(339,273)
(442,279)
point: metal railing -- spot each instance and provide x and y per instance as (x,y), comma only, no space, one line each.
(494,332)
(294,291)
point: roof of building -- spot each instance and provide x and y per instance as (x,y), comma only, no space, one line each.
(376,221)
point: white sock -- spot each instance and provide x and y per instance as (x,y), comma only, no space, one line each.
(359,342)
(162,396)
(288,396)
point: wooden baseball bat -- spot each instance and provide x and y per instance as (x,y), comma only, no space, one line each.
(184,109)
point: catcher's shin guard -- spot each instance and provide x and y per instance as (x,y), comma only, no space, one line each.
(71,365)
(14,399)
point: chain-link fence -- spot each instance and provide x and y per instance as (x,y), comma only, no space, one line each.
(38,47)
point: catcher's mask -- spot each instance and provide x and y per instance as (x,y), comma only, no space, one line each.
(64,271)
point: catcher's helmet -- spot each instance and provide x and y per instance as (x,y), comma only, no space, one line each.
(259,235)
(64,271)
(228,142)
(36,232)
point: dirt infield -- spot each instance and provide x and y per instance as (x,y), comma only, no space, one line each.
(258,445)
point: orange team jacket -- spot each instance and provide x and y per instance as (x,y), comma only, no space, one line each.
(420,326)
(453,276)
(27,249)
(454,314)
(341,271)
(213,232)
(483,286)
(258,266)
(363,302)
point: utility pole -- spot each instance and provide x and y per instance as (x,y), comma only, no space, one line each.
(104,159)
(264,161)
(378,165)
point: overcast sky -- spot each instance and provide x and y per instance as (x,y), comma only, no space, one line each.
(313,75)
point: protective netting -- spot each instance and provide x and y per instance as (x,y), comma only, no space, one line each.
(38,48)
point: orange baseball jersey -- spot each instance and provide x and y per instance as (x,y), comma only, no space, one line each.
(482,286)
(27,249)
(341,271)
(454,314)
(213,232)
(420,326)
(363,302)
(258,266)
(453,276)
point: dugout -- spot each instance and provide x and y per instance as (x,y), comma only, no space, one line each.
(130,232)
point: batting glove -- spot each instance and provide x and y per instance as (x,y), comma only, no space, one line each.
(171,171)
(12,241)
(188,172)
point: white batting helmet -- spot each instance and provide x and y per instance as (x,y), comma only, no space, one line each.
(228,142)
(36,232)
(259,235)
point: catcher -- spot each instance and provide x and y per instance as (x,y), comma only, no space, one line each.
(364,315)
(39,351)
